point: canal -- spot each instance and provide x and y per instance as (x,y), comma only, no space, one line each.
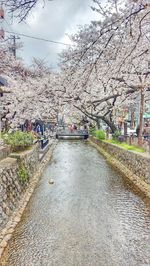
(90,216)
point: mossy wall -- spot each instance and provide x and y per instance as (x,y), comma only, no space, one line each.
(15,174)
(138,164)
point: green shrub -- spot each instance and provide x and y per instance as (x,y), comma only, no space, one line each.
(19,140)
(93,131)
(100,134)
(23,174)
(116,135)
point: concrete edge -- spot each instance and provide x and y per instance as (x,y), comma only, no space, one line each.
(136,180)
(7,232)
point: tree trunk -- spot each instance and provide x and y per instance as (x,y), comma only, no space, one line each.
(97,118)
(140,136)
(132,119)
(110,124)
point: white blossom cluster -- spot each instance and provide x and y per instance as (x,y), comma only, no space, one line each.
(31,93)
(107,69)
(109,66)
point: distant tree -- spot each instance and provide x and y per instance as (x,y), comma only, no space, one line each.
(32,93)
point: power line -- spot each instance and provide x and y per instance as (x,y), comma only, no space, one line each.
(39,39)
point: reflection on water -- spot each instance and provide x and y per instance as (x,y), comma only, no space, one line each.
(90,216)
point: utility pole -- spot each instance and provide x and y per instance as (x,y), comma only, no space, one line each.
(13,48)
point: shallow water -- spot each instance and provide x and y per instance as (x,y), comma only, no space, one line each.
(90,216)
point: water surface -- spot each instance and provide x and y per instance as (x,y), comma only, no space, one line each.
(89,217)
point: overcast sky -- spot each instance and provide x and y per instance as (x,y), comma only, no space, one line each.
(54,21)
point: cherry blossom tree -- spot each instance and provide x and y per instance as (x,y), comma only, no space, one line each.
(33,91)
(105,68)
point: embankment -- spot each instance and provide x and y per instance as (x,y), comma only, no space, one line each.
(135,166)
(19,174)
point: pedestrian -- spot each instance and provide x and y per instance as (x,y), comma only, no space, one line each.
(75,127)
(85,127)
(81,127)
(38,130)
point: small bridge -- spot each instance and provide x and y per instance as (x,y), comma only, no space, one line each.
(64,133)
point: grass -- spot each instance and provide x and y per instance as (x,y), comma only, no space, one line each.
(126,146)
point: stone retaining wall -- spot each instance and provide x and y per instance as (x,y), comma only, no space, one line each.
(4,152)
(12,183)
(20,205)
(137,163)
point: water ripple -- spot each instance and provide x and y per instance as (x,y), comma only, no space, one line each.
(90,216)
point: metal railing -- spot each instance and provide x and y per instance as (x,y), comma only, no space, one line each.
(72,133)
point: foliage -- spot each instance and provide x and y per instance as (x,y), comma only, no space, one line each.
(100,134)
(23,173)
(116,135)
(19,140)
(126,146)
(93,131)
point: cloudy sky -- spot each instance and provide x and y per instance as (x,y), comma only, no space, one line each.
(53,21)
